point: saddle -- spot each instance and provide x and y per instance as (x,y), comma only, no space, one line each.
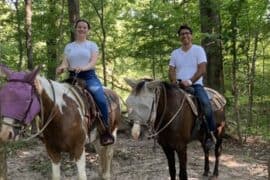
(216,99)
(93,113)
(217,103)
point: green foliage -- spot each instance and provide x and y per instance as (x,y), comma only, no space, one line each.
(12,147)
(139,37)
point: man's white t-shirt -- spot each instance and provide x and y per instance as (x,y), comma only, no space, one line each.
(186,63)
(79,54)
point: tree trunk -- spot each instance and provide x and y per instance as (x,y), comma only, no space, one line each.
(235,89)
(19,35)
(74,15)
(251,82)
(28,30)
(3,163)
(100,15)
(52,40)
(103,44)
(211,25)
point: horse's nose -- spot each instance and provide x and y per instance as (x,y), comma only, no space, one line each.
(6,135)
(10,135)
(136,131)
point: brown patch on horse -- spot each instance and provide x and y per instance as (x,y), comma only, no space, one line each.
(114,108)
(173,123)
(65,132)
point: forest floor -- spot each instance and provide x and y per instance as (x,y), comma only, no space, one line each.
(136,160)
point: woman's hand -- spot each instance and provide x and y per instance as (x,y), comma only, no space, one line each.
(77,69)
(59,70)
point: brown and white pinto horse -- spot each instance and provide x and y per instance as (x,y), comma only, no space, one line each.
(164,108)
(67,124)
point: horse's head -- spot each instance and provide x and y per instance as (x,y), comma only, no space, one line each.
(18,102)
(141,103)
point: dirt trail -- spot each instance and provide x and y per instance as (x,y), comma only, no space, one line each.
(135,160)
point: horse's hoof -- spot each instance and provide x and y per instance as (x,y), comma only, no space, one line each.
(213,177)
(205,174)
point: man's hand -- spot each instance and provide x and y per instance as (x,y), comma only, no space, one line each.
(186,83)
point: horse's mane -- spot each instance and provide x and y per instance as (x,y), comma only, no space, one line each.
(75,82)
(142,82)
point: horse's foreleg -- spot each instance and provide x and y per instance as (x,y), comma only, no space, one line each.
(105,155)
(182,155)
(81,166)
(56,171)
(55,160)
(218,150)
(171,161)
(206,161)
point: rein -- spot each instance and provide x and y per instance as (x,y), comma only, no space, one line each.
(52,114)
(12,125)
(155,133)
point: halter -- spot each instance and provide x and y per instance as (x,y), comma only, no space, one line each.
(15,125)
(42,114)
(20,123)
(50,118)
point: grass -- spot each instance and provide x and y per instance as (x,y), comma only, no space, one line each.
(12,147)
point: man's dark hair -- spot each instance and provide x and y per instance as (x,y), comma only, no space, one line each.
(184,26)
(82,20)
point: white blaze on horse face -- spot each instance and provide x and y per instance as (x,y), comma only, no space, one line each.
(136,131)
(7,132)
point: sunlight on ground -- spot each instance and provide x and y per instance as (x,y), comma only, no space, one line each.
(23,154)
(254,169)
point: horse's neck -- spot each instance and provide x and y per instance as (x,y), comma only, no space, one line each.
(53,92)
(167,101)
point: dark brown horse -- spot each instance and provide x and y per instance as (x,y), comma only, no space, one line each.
(164,108)
(67,122)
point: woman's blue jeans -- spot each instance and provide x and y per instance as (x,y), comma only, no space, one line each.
(95,87)
(206,107)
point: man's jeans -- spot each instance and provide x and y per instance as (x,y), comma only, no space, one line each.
(94,86)
(204,101)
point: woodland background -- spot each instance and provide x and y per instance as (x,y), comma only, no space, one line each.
(136,38)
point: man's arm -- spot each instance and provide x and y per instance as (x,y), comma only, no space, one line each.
(199,73)
(172,75)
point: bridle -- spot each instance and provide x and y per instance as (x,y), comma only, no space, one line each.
(154,131)
(14,125)
(17,124)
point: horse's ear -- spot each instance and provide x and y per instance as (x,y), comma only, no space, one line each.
(5,71)
(32,75)
(132,83)
(153,84)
